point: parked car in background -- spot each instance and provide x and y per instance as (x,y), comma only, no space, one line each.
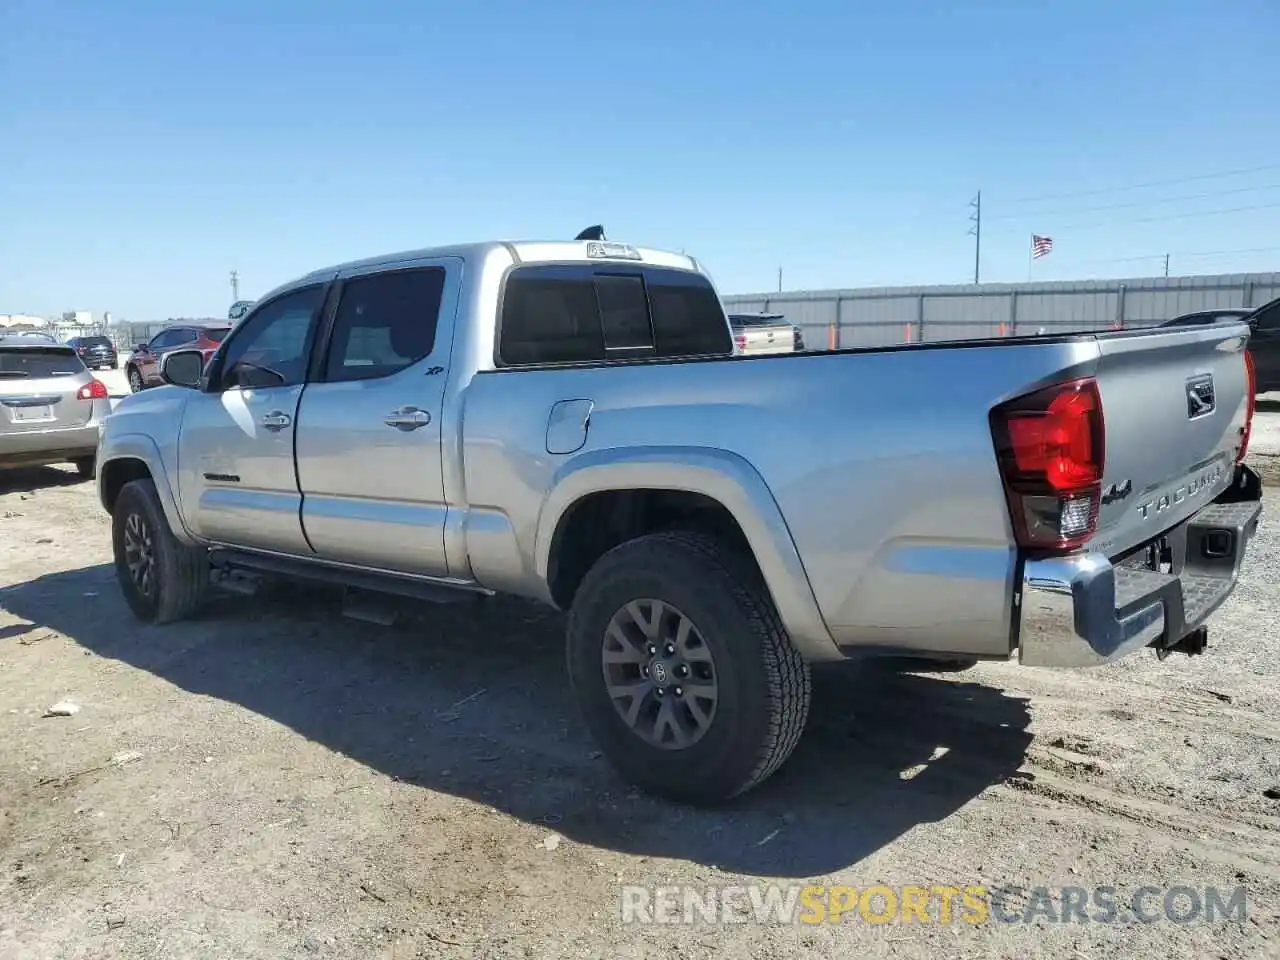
(568,422)
(757,333)
(27,336)
(1264,340)
(142,369)
(50,405)
(95,352)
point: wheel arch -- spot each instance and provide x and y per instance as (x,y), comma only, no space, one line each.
(723,490)
(136,457)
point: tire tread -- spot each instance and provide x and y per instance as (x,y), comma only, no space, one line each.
(183,570)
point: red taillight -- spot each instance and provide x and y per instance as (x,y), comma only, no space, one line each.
(1250,384)
(95,389)
(740,339)
(1050,445)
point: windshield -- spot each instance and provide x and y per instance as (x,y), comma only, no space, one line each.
(756,320)
(20,363)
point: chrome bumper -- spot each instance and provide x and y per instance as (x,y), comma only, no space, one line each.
(1083,610)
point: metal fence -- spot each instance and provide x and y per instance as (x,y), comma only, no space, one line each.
(889,316)
(120,336)
(125,336)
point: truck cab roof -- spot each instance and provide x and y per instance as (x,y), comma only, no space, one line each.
(522,251)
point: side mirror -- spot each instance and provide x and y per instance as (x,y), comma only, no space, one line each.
(182,368)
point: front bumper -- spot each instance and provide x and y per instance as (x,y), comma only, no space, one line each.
(1084,610)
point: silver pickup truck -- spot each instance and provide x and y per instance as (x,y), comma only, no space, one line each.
(565,421)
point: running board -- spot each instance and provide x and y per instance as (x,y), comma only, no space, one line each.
(344,576)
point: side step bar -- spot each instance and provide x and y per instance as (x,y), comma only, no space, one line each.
(231,562)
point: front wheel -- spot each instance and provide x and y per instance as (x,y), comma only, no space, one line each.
(682,669)
(162,579)
(135,380)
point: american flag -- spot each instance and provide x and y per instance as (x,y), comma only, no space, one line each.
(1040,246)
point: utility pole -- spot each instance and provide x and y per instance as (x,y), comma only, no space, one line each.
(976,232)
(1166,264)
(779,279)
(235,286)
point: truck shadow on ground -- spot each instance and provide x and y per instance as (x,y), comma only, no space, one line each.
(471,700)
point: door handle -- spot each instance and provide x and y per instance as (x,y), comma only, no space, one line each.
(276,420)
(408,418)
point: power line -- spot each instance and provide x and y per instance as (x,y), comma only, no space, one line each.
(1165,217)
(1151,183)
(1137,203)
(1229,253)
(1177,256)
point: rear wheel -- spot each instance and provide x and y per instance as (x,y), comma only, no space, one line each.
(85,466)
(135,380)
(162,579)
(684,674)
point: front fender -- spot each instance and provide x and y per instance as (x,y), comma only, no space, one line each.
(139,446)
(724,477)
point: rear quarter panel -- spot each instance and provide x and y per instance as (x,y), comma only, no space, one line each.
(881,465)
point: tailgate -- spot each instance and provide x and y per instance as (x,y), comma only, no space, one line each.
(768,338)
(1174,402)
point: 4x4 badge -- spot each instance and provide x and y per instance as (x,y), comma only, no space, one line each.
(1117,491)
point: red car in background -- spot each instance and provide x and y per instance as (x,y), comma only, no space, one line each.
(143,366)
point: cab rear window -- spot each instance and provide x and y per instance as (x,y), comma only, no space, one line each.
(22,363)
(569,313)
(216,333)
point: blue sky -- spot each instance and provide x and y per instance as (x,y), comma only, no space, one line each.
(150,147)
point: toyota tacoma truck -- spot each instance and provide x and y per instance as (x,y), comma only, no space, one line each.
(566,421)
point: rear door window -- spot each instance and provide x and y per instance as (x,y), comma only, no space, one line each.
(34,363)
(576,314)
(385,323)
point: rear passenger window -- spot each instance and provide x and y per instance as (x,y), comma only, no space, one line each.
(385,323)
(573,314)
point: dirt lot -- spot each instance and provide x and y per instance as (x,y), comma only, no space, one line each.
(274,781)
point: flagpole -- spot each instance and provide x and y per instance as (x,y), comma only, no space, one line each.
(1031,253)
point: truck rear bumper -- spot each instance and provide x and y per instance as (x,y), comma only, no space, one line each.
(1085,609)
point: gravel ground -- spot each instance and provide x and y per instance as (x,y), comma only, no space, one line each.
(272,780)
